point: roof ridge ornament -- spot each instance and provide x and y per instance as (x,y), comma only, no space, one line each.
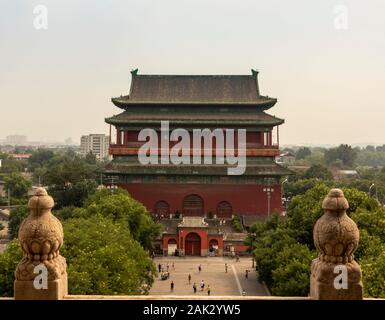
(134,72)
(254,72)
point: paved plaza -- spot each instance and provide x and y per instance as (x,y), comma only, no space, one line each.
(213,273)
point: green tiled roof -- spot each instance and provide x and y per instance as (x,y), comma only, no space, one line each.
(272,169)
(228,118)
(194,89)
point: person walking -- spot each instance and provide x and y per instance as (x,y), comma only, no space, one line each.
(202,285)
(172,285)
(208,290)
(173,266)
(246,274)
(195,287)
(226,267)
(167,266)
(189,278)
(200,268)
(159,267)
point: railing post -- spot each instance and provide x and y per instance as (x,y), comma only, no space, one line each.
(335,275)
(41,274)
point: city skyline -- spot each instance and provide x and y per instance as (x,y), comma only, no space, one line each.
(57,83)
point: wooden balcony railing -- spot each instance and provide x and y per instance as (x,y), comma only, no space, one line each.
(267,151)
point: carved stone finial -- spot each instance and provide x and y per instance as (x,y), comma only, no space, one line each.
(336,239)
(41,237)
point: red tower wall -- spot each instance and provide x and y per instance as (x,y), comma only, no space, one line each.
(244,199)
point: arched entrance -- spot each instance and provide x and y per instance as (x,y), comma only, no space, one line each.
(193,206)
(224,210)
(193,244)
(171,247)
(162,209)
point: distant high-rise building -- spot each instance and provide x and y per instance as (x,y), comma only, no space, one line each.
(16,140)
(96,144)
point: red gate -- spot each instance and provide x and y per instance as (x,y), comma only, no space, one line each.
(193,244)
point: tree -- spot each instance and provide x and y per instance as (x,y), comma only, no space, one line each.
(266,249)
(344,152)
(304,210)
(302,153)
(372,221)
(284,248)
(72,194)
(300,186)
(11,165)
(103,258)
(236,223)
(15,219)
(41,157)
(91,158)
(17,184)
(8,262)
(291,277)
(120,206)
(71,181)
(369,246)
(373,275)
(316,158)
(318,171)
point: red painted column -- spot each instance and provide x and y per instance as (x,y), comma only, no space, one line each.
(278,136)
(118,137)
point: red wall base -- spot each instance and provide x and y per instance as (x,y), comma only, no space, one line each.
(244,199)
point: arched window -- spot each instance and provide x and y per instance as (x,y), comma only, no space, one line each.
(193,205)
(224,210)
(162,209)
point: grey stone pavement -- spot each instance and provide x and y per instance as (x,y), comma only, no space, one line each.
(213,273)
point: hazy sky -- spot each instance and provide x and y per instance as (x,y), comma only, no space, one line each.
(330,82)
